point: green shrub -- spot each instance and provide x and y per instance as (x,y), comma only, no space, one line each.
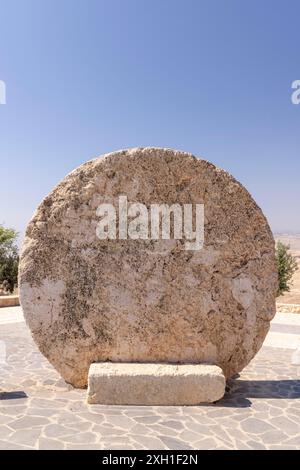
(9,258)
(287,266)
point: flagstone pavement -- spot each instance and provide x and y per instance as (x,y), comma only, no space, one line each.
(38,410)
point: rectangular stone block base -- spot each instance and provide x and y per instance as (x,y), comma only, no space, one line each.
(154,384)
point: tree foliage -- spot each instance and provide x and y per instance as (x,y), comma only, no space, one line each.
(287,266)
(9,258)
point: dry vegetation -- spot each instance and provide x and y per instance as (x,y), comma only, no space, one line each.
(292,297)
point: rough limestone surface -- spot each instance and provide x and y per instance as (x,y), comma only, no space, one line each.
(87,300)
(154,384)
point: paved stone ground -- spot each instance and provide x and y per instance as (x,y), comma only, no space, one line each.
(261,409)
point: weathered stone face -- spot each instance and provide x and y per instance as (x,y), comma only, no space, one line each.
(154,384)
(88,300)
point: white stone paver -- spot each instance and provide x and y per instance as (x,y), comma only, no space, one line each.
(282,340)
(38,410)
(287,318)
(11,315)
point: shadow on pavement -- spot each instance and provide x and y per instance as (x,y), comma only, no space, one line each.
(238,392)
(12,395)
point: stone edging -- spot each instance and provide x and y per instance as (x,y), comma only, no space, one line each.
(9,301)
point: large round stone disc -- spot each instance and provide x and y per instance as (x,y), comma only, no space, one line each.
(88,300)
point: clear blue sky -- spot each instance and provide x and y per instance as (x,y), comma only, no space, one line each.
(209,77)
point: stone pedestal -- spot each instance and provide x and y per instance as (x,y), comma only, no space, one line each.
(154,384)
